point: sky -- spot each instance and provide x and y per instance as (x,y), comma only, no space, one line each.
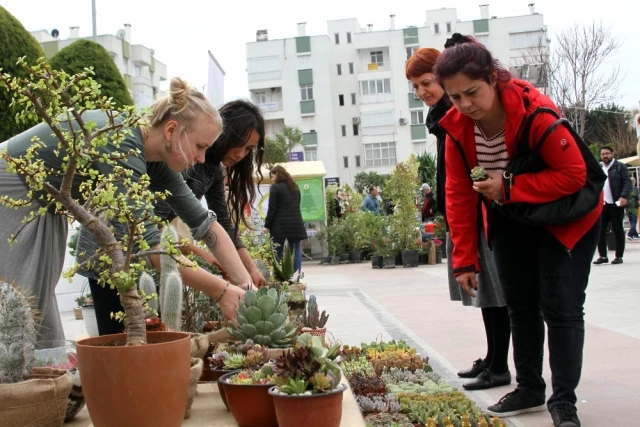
(181,32)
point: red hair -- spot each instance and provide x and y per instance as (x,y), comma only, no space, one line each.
(421,62)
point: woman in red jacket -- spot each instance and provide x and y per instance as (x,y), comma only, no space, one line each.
(543,271)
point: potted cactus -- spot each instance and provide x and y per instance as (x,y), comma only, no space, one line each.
(479,174)
(308,390)
(27,393)
(312,321)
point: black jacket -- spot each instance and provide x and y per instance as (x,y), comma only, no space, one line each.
(435,114)
(619,180)
(284,219)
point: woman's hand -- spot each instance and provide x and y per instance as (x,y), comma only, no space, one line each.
(492,188)
(468,283)
(257,278)
(229,302)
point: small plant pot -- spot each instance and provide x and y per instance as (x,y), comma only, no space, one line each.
(77,312)
(221,388)
(194,376)
(356,256)
(327,260)
(399,258)
(335,260)
(344,258)
(422,259)
(410,258)
(377,261)
(250,404)
(317,332)
(90,322)
(438,256)
(296,305)
(389,262)
(316,410)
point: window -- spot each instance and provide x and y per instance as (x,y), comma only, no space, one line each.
(417,117)
(357,161)
(484,39)
(339,66)
(337,36)
(306,92)
(345,160)
(353,99)
(380,118)
(310,154)
(344,130)
(525,39)
(380,154)
(137,70)
(377,58)
(411,50)
(341,100)
(348,37)
(355,130)
(350,67)
(448,27)
(436,28)
(261,97)
(373,87)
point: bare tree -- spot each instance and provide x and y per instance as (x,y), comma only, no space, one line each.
(622,134)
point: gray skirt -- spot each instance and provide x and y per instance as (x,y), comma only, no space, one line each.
(489,293)
(36,260)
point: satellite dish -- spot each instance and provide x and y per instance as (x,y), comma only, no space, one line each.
(55,33)
(153,52)
(121,34)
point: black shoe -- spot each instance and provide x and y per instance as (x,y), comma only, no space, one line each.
(617,261)
(488,379)
(565,415)
(478,366)
(601,260)
(515,403)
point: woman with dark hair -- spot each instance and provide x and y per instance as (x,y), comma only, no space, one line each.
(493,370)
(233,154)
(284,219)
(543,271)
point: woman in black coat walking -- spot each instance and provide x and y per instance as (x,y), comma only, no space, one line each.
(284,219)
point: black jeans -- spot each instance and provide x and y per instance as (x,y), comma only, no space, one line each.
(544,282)
(614,215)
(106,301)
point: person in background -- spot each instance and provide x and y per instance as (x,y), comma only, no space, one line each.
(492,370)
(370,202)
(284,219)
(617,188)
(429,205)
(544,271)
(632,211)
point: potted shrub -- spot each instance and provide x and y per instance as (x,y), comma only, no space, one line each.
(308,390)
(440,233)
(312,322)
(27,392)
(335,232)
(108,364)
(247,396)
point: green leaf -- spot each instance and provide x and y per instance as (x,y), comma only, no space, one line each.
(249,330)
(250,298)
(273,293)
(278,336)
(267,305)
(264,328)
(262,340)
(253,315)
(277,319)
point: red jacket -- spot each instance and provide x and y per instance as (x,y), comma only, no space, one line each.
(566,172)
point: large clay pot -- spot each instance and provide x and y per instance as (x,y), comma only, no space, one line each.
(145,385)
(251,405)
(316,410)
(221,388)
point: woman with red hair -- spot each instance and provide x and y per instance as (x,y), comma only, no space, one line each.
(492,370)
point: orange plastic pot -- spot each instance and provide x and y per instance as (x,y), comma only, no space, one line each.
(136,386)
(316,410)
(251,405)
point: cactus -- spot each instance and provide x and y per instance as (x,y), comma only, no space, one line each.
(312,317)
(262,318)
(479,174)
(17,335)
(172,302)
(148,286)
(283,269)
(168,265)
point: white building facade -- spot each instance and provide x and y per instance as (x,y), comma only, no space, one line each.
(141,71)
(347,91)
(215,82)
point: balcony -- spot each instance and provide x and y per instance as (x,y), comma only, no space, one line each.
(308,108)
(271,110)
(415,102)
(418,132)
(376,98)
(141,81)
(141,54)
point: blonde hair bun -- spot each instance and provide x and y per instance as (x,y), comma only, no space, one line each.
(179,92)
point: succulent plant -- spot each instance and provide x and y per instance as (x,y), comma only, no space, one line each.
(257,356)
(379,403)
(386,419)
(479,174)
(217,360)
(148,286)
(234,361)
(398,358)
(17,335)
(360,366)
(262,317)
(312,318)
(172,302)
(385,345)
(363,385)
(283,269)
(443,409)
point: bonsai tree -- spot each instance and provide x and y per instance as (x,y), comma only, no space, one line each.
(57,98)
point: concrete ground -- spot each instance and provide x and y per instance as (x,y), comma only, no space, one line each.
(413,304)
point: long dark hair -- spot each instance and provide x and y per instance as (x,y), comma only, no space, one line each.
(466,55)
(281,175)
(240,118)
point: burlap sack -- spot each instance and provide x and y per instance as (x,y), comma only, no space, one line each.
(40,401)
(194,376)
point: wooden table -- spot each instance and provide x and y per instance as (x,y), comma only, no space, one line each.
(208,410)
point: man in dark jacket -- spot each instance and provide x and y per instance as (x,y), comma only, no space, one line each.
(429,204)
(617,188)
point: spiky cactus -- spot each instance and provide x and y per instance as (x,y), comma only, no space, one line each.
(172,302)
(17,335)
(283,268)
(312,317)
(262,317)
(148,286)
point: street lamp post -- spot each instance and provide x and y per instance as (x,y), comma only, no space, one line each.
(93,12)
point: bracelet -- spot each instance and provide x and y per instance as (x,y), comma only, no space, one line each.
(222,294)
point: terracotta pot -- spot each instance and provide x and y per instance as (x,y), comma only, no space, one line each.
(140,385)
(251,405)
(194,375)
(316,410)
(221,387)
(317,332)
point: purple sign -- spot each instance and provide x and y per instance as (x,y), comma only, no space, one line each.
(296,156)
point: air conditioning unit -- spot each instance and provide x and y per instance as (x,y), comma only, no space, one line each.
(356,120)
(403,121)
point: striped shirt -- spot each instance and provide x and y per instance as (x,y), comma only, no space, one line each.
(492,152)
